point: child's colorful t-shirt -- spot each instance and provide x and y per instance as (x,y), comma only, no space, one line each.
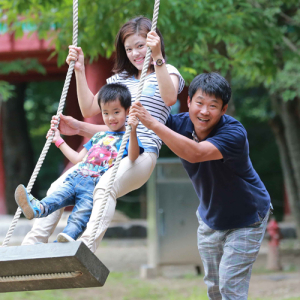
(103,149)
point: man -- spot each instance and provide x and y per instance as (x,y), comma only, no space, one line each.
(234,203)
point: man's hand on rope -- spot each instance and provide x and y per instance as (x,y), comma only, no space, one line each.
(139,111)
(76,54)
(67,125)
(153,42)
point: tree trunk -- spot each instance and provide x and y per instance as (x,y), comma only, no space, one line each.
(17,150)
(286,127)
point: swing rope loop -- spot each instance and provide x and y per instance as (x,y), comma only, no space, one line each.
(49,140)
(125,137)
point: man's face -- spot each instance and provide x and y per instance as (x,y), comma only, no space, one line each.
(205,112)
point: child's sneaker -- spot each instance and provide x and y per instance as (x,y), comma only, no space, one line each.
(29,205)
(64,238)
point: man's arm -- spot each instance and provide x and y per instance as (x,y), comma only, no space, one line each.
(182,146)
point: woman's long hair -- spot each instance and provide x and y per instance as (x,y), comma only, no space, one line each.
(141,26)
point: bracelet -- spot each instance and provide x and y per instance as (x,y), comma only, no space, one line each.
(59,142)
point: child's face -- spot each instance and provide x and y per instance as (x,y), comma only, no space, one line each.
(114,115)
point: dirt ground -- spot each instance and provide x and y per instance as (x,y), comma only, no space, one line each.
(129,255)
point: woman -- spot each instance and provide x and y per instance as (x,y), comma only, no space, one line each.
(162,84)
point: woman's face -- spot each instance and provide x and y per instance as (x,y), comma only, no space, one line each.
(136,48)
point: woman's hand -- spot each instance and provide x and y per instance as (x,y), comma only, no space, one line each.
(76,54)
(56,134)
(133,122)
(153,42)
(67,125)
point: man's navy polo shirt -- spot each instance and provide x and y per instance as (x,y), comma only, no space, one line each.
(230,191)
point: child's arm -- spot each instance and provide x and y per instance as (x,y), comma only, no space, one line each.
(133,148)
(72,155)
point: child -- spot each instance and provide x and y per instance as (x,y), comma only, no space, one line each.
(97,156)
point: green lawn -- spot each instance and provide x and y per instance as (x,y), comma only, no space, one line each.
(128,286)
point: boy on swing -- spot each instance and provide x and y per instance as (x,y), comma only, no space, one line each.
(97,156)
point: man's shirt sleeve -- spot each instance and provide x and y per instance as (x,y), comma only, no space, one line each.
(230,141)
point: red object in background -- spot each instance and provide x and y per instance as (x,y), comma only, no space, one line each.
(273,257)
(274,232)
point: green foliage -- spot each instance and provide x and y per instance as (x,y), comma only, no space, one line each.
(6,90)
(225,35)
(21,66)
(41,102)
(287,81)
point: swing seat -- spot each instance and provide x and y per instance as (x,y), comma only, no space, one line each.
(50,266)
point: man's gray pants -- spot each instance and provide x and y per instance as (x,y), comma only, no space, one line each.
(228,257)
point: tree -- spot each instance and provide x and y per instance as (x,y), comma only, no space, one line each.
(251,42)
(17,149)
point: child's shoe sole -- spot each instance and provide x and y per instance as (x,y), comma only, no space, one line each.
(64,238)
(23,202)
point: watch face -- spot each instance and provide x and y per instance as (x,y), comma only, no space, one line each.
(159,62)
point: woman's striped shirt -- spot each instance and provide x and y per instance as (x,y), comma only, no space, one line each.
(152,101)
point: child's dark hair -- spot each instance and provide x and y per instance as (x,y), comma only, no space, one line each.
(115,91)
(141,26)
(212,84)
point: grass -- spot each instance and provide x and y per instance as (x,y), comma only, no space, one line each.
(128,286)
(121,286)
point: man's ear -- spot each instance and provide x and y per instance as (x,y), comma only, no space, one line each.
(127,111)
(188,101)
(224,109)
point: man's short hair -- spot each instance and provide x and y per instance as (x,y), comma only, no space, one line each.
(115,91)
(212,84)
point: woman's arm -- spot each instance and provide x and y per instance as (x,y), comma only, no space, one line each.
(168,84)
(87,100)
(70,126)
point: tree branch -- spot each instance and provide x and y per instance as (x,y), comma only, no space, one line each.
(290,45)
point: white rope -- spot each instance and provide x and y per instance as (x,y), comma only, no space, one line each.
(40,277)
(126,135)
(49,140)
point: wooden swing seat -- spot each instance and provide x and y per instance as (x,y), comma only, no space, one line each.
(50,266)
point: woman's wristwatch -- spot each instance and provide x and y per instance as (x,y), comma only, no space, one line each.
(159,62)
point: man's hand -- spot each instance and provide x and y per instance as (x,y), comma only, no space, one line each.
(139,111)
(67,125)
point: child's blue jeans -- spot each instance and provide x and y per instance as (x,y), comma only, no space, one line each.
(76,190)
